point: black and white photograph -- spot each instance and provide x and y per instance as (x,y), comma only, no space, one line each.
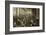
(24,17)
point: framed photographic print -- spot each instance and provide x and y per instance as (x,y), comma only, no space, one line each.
(24,17)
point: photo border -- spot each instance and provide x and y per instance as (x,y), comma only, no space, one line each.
(7,16)
(25,28)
